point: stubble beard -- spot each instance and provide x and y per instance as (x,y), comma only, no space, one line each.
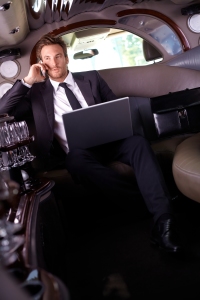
(60,75)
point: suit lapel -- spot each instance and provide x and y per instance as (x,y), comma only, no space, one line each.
(85,88)
(47,93)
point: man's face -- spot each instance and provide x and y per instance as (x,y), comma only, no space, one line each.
(55,62)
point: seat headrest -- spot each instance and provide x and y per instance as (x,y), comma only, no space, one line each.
(150,52)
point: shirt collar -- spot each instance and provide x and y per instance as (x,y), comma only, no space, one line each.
(69,81)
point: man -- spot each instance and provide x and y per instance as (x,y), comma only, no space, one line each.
(47,101)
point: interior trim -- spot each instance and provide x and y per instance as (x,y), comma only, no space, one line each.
(35,15)
(179,32)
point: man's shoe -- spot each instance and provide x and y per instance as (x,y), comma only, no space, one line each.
(164,235)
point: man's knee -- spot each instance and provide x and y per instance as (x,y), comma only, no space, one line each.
(138,141)
(76,158)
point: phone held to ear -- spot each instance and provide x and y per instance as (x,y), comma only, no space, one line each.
(43,72)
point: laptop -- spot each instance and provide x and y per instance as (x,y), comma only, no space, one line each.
(98,124)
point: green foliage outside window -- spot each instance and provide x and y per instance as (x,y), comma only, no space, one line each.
(129,47)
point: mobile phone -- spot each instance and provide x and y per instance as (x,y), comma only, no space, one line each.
(43,73)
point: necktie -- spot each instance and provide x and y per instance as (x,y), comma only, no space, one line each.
(72,99)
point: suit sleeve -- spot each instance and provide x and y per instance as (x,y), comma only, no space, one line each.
(16,102)
(104,90)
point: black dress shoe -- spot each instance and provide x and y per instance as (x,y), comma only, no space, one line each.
(165,235)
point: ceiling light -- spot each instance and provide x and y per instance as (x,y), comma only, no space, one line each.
(5,6)
(16,29)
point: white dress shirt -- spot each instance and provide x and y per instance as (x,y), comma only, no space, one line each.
(62,105)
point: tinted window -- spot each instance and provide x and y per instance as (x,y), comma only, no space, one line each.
(121,49)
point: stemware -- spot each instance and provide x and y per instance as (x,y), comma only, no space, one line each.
(22,130)
(14,140)
(23,133)
(4,135)
(13,135)
(7,156)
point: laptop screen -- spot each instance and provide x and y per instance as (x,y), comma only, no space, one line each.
(98,124)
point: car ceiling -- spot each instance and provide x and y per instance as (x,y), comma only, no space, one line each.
(24,16)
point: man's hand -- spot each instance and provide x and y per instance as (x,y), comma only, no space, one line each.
(37,73)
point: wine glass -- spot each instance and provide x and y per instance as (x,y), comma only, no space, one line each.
(14,140)
(4,135)
(22,130)
(23,133)
(7,156)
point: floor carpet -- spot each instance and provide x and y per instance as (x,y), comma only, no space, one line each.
(109,256)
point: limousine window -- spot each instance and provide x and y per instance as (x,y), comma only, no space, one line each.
(156,29)
(118,49)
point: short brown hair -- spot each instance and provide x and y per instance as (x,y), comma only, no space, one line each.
(48,39)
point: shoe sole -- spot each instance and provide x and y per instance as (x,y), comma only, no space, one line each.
(156,244)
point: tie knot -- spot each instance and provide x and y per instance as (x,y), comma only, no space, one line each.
(70,96)
(62,84)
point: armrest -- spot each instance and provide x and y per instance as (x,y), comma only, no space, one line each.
(186,167)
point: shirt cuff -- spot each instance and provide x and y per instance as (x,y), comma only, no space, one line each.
(26,84)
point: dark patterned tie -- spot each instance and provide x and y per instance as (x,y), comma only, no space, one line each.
(72,99)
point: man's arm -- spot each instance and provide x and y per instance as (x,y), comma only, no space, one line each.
(105,91)
(16,102)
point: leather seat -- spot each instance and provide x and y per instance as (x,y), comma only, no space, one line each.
(186,167)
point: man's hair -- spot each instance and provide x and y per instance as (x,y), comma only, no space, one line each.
(47,40)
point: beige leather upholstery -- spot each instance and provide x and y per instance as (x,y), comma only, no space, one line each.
(186,167)
(150,81)
(168,146)
(150,52)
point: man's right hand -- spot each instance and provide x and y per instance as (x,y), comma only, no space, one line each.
(35,73)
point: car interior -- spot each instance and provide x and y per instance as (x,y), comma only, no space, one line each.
(74,243)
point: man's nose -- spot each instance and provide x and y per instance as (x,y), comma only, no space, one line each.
(53,62)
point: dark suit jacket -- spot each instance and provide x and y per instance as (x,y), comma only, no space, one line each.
(35,105)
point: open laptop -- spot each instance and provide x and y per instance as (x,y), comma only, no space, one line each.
(98,124)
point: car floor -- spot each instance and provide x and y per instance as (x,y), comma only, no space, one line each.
(108,252)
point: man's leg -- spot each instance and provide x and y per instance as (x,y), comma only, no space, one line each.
(134,151)
(89,165)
